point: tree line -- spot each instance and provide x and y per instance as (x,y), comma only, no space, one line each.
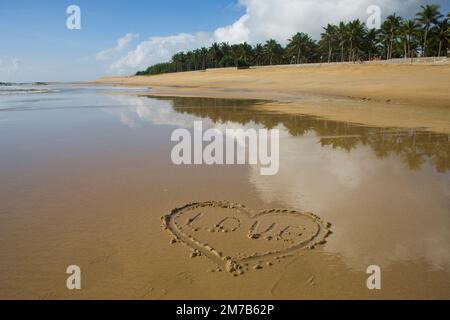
(424,36)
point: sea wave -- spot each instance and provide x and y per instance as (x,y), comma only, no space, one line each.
(16,91)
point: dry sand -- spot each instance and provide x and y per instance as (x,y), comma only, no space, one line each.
(402,95)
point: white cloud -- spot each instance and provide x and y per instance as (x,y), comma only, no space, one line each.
(122,43)
(236,33)
(158,49)
(280,19)
(262,20)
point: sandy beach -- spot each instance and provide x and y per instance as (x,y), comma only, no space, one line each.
(392,95)
(141,227)
(220,157)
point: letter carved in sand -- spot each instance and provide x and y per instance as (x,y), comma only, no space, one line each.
(235,237)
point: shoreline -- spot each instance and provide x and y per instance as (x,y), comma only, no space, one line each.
(375,94)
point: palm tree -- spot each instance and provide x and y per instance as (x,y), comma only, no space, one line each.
(428,16)
(329,37)
(410,29)
(245,51)
(179,59)
(299,45)
(215,54)
(236,51)
(225,49)
(272,49)
(355,33)
(342,37)
(204,57)
(190,60)
(442,35)
(258,53)
(390,29)
(197,58)
(371,43)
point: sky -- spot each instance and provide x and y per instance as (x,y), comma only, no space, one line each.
(121,37)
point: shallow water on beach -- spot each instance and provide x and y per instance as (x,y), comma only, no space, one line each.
(86,174)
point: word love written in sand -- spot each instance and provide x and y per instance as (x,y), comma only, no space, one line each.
(237,239)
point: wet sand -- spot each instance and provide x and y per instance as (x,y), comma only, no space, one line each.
(406,96)
(86,177)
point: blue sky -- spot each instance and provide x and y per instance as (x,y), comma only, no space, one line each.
(35,44)
(35,33)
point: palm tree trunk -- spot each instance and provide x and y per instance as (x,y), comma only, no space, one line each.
(425,41)
(351,51)
(409,50)
(342,53)
(440,47)
(390,50)
(298,55)
(408,46)
(329,51)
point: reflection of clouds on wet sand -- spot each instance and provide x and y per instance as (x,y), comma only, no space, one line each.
(140,110)
(381,211)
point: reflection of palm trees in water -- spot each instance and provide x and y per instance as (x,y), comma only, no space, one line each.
(413,147)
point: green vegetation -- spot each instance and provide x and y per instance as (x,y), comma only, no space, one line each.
(425,36)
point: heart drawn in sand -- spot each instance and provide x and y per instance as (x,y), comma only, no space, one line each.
(233,236)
